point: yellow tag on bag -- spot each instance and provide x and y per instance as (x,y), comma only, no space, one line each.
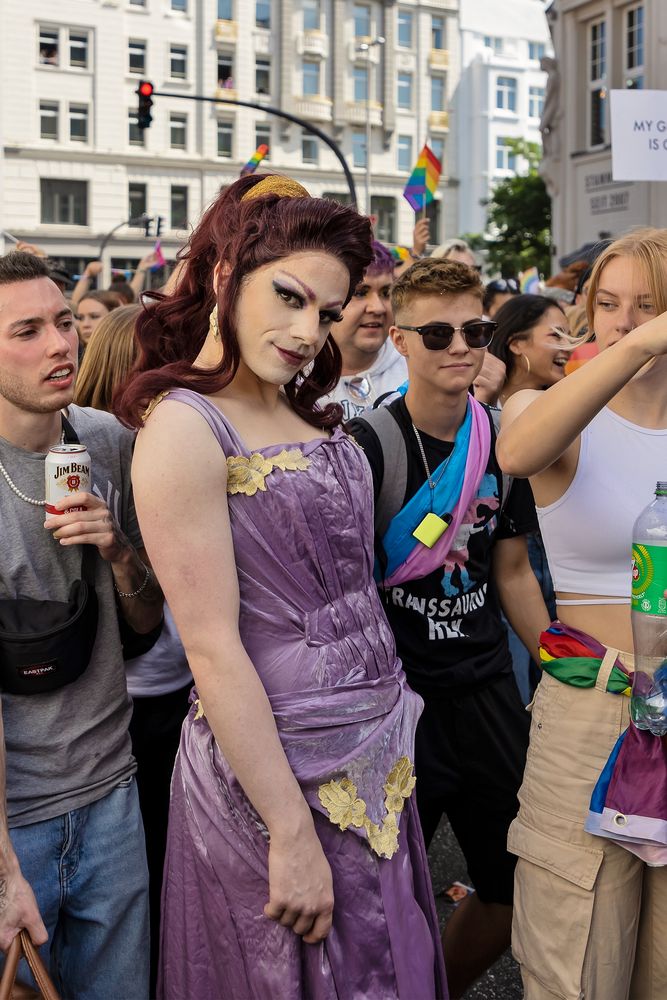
(431,528)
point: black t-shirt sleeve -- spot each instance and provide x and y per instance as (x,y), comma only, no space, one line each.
(518,516)
(368,440)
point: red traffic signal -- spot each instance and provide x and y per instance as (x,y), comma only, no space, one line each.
(145,92)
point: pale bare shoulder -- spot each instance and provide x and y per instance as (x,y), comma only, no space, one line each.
(516,404)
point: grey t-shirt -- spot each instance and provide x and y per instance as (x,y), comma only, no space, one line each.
(70,747)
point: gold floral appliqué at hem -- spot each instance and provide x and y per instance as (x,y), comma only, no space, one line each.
(345,809)
(247,475)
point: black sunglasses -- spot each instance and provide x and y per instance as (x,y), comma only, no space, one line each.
(504,285)
(477,333)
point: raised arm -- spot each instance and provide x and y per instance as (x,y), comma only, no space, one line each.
(180,477)
(18,907)
(539,427)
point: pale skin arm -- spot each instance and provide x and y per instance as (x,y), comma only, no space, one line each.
(189,540)
(538,428)
(139,276)
(18,906)
(519,592)
(82,286)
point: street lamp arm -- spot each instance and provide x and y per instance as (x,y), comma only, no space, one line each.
(327,140)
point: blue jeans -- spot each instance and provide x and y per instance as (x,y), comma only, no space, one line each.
(88,871)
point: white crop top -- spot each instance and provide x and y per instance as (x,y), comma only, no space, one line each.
(587,533)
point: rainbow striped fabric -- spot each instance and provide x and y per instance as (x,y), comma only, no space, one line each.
(399,253)
(423,181)
(573,657)
(255,160)
(529,281)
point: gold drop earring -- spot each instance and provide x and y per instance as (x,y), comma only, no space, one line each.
(213,326)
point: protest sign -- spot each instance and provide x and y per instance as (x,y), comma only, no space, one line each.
(639,135)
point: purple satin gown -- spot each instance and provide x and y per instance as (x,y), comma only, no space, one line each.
(313,626)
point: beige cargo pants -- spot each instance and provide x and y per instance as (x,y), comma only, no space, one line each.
(590,918)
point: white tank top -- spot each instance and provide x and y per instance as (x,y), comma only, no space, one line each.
(587,533)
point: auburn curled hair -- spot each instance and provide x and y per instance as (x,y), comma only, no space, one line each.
(243,235)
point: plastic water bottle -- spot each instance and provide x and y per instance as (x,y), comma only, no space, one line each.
(649,615)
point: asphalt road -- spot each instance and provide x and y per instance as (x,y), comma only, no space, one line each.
(502,981)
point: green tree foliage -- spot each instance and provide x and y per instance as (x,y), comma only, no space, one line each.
(519,218)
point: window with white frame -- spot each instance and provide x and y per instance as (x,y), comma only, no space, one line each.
(309,148)
(178,62)
(506,93)
(311,77)
(437,93)
(404,91)
(404,154)
(262,75)
(48,120)
(178,131)
(495,43)
(137,199)
(263,13)
(49,47)
(64,202)
(536,51)
(225,10)
(135,135)
(384,210)
(360,79)
(437,32)
(535,102)
(634,48)
(405,24)
(362,20)
(505,156)
(78,122)
(180,6)
(597,82)
(358,148)
(137,3)
(263,136)
(136,52)
(311,15)
(78,49)
(226,70)
(225,139)
(179,206)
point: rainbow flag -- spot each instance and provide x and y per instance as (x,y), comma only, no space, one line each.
(160,260)
(423,181)
(529,281)
(399,253)
(255,160)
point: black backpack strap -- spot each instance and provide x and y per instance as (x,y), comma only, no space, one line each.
(395,461)
(494,414)
(69,434)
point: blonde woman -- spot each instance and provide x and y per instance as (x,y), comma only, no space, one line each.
(590,916)
(110,354)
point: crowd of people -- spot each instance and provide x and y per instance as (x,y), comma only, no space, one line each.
(341,514)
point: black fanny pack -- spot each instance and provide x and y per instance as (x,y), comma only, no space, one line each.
(47,644)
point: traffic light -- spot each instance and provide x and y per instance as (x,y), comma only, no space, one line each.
(145,92)
(148,225)
(158,225)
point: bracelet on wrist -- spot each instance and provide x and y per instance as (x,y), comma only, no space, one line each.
(139,590)
(415,256)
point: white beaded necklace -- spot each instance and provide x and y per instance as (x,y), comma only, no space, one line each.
(19,493)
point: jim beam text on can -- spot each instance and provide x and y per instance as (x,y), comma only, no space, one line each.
(67,471)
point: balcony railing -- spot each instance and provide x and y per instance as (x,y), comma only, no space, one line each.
(312,43)
(225,31)
(439,58)
(355,113)
(314,108)
(439,120)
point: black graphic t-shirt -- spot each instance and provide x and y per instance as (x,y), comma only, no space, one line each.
(448,625)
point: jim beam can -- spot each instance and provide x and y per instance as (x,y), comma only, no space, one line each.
(67,471)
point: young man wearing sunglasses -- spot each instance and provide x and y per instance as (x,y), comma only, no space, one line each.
(449,551)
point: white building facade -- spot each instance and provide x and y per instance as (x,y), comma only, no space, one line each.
(600,45)
(74,164)
(499,97)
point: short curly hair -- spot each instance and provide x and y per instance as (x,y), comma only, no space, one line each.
(435,276)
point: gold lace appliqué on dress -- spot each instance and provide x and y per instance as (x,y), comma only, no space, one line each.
(247,475)
(153,403)
(346,809)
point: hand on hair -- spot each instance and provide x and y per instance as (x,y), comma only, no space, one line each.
(490,381)
(31,248)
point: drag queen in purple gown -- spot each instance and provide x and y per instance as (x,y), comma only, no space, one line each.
(295,863)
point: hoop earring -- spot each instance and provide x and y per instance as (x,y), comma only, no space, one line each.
(213,327)
(527,360)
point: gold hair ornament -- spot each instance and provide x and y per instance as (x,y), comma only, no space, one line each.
(284,187)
